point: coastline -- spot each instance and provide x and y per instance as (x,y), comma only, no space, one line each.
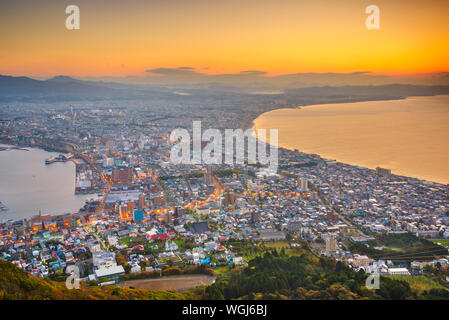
(46,144)
(328,156)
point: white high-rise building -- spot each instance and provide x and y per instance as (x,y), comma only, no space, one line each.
(304,184)
(331,244)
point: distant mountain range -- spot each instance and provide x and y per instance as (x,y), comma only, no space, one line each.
(67,88)
(64,88)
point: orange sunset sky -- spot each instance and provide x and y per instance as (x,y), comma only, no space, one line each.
(121,38)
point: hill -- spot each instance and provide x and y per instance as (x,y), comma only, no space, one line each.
(17,284)
(281,275)
(276,274)
(64,88)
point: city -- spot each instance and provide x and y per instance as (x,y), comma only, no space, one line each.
(223,158)
(150,215)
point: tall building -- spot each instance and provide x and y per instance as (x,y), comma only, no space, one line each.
(229,198)
(130,205)
(332,216)
(331,244)
(208,176)
(108,162)
(179,212)
(142,202)
(304,184)
(123,212)
(159,200)
(383,172)
(122,175)
(138,216)
(254,217)
(166,217)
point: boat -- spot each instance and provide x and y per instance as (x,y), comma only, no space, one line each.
(59,158)
(50,160)
(3,207)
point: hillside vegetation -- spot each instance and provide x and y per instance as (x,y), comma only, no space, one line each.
(17,284)
(278,275)
(275,274)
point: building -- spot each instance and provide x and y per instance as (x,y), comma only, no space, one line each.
(159,200)
(383,172)
(208,176)
(332,216)
(123,212)
(104,259)
(142,201)
(304,184)
(108,162)
(122,175)
(229,198)
(398,272)
(314,196)
(199,227)
(130,205)
(180,212)
(166,217)
(429,234)
(138,216)
(272,235)
(361,261)
(331,244)
(109,273)
(255,216)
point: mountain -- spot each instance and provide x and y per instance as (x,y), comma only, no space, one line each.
(62,88)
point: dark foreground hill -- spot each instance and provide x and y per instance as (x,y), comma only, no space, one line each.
(304,276)
(298,274)
(17,284)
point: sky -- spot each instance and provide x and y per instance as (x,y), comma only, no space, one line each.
(273,37)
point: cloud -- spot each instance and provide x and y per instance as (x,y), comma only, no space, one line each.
(253,72)
(189,71)
(181,71)
(361,72)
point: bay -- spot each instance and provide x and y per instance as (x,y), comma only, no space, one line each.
(27,185)
(409,136)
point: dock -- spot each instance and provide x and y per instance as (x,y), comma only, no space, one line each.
(59,158)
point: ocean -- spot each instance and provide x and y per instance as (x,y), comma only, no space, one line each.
(409,136)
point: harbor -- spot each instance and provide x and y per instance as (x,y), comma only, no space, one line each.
(59,158)
(27,184)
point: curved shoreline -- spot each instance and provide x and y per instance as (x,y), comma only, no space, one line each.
(270,123)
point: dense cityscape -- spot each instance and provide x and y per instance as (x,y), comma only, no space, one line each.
(209,159)
(148,215)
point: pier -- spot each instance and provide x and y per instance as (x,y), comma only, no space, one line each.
(59,158)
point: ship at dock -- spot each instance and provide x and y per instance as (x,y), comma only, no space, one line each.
(59,158)
(3,207)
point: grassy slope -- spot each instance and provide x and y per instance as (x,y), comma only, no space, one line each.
(16,283)
(419,283)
